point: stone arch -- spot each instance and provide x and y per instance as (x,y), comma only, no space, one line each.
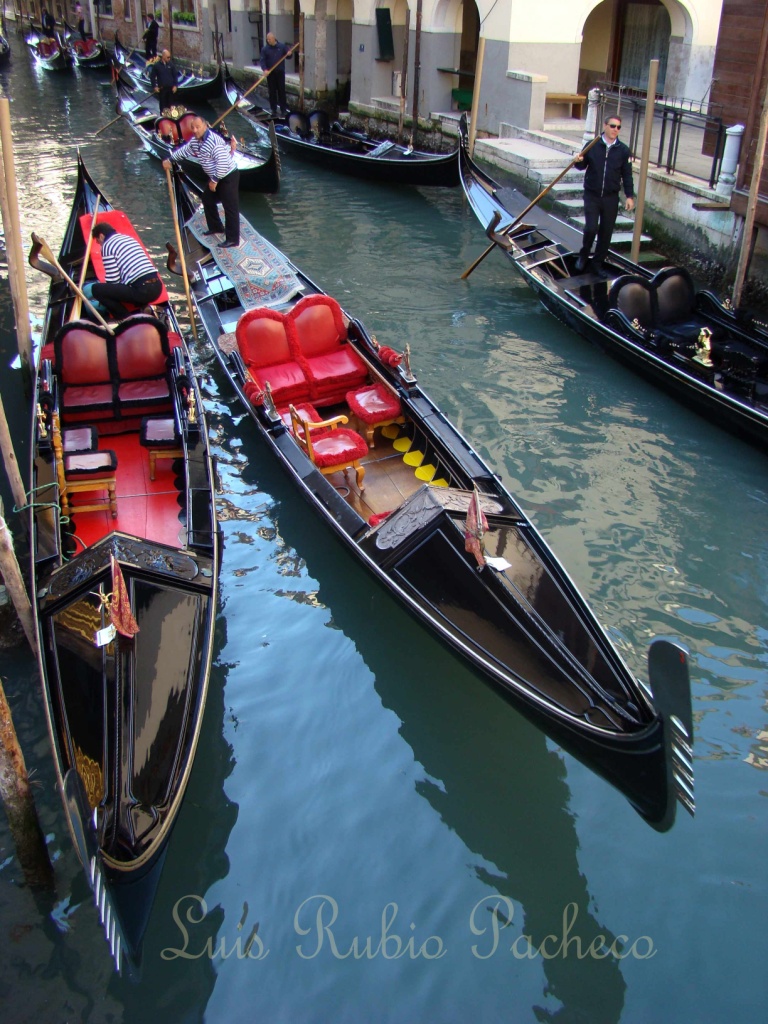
(618,42)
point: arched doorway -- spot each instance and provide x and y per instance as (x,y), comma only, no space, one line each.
(619,40)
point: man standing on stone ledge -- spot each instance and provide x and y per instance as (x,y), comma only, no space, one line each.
(608,167)
(272,61)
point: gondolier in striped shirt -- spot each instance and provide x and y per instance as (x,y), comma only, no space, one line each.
(217,158)
(130,275)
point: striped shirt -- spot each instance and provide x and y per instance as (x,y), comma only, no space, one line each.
(124,259)
(212,151)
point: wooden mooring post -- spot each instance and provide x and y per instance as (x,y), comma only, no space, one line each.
(9,204)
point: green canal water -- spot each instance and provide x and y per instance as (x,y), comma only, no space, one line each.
(410,848)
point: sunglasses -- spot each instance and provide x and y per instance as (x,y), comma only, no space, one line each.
(613,126)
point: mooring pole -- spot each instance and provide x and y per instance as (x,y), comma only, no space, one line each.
(16,795)
(9,460)
(14,582)
(10,211)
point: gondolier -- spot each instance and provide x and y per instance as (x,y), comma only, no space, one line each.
(608,168)
(164,79)
(129,273)
(150,38)
(48,22)
(272,54)
(217,159)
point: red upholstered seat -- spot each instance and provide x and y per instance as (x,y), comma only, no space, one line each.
(331,447)
(333,366)
(85,372)
(304,410)
(262,339)
(375,406)
(141,352)
(338,446)
(185,125)
(166,128)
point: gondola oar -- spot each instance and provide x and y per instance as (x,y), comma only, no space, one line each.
(252,87)
(77,304)
(187,292)
(530,206)
(136,99)
(42,246)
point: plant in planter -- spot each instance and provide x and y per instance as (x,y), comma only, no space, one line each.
(185,17)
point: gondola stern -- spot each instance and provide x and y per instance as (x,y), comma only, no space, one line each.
(669,677)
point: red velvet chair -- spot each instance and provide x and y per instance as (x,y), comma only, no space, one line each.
(142,352)
(82,358)
(263,340)
(333,366)
(331,447)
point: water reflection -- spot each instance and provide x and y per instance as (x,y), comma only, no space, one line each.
(489,775)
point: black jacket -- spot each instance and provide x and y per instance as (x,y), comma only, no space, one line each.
(162,75)
(605,177)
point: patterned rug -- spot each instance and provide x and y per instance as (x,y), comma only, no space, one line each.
(260,273)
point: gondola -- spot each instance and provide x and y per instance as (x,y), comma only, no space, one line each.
(258,164)
(133,70)
(5,50)
(49,52)
(124,554)
(712,357)
(86,53)
(313,138)
(406,493)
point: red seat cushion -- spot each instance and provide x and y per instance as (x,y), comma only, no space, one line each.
(152,390)
(342,369)
(337,447)
(374,403)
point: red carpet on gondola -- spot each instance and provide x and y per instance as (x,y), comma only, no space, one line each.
(145,508)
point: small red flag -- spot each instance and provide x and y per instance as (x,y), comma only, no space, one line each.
(475,527)
(120,612)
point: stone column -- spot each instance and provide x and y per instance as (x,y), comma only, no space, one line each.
(590,126)
(727,177)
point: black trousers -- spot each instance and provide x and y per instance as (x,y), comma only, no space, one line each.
(228,194)
(276,85)
(600,217)
(167,97)
(113,295)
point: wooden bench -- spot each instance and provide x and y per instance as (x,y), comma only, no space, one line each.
(573,99)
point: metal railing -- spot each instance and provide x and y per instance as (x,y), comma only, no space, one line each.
(675,120)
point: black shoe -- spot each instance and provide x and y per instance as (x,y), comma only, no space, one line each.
(600,270)
(581,265)
(229,245)
(214,231)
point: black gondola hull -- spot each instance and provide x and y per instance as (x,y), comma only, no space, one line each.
(525,629)
(733,397)
(124,712)
(417,169)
